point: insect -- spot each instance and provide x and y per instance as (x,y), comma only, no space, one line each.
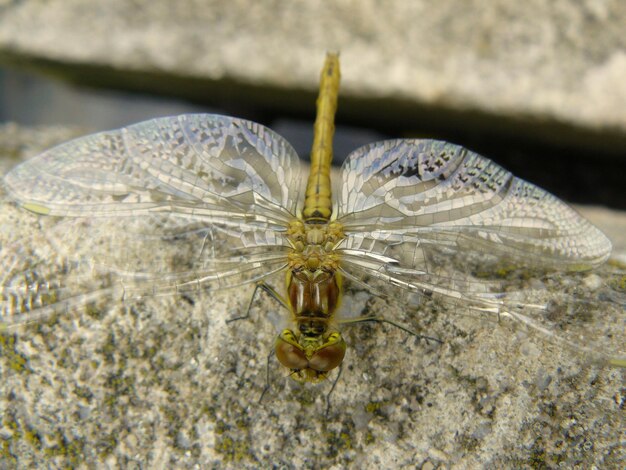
(226,194)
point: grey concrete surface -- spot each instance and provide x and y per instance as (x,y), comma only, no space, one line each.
(164,382)
(549,69)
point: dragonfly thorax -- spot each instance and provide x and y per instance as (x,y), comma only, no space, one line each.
(313,245)
(313,294)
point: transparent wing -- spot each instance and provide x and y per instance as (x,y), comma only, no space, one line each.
(583,311)
(165,205)
(195,164)
(436,219)
(430,190)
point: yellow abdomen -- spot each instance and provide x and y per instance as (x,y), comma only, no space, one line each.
(317,202)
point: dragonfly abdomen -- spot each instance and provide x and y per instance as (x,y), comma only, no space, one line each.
(317,203)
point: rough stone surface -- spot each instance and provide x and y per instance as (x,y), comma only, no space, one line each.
(560,61)
(165,382)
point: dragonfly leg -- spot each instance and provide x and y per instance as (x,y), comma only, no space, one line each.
(389,322)
(267,376)
(332,389)
(267,289)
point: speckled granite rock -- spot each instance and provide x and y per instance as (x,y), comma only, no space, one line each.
(505,66)
(165,382)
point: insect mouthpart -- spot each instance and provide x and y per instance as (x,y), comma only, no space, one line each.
(310,358)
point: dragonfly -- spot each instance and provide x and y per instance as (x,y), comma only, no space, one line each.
(218,203)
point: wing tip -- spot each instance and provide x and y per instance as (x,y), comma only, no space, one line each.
(36,208)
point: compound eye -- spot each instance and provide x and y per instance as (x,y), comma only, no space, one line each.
(329,355)
(289,353)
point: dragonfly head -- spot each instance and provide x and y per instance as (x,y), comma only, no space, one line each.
(310,358)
